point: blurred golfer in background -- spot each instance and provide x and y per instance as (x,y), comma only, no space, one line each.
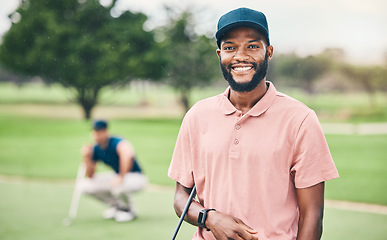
(258,158)
(113,188)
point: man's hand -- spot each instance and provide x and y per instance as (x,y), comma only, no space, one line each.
(86,151)
(225,227)
(222,226)
(117,181)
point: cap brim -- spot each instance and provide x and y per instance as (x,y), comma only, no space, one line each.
(223,31)
(99,128)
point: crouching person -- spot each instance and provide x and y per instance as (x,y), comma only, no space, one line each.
(113,188)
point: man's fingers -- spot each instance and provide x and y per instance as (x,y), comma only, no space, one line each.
(239,238)
(247,236)
(251,231)
(224,226)
(247,228)
(248,232)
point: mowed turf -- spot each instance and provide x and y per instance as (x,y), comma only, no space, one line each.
(362,164)
(34,210)
(44,151)
(49,149)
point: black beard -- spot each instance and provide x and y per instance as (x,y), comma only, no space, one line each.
(260,74)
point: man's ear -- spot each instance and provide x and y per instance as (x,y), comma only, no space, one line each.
(218,52)
(270,51)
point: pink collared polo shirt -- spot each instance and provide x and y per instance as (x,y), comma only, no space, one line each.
(250,165)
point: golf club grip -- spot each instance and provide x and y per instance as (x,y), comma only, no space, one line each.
(191,196)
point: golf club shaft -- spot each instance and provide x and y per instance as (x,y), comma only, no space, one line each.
(191,196)
(77,192)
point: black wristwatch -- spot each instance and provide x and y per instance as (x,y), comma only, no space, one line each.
(203,217)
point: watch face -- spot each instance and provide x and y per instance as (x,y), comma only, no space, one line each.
(200,218)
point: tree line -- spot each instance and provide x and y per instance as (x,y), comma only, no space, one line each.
(86,47)
(326,72)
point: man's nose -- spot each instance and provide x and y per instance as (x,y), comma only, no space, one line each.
(241,55)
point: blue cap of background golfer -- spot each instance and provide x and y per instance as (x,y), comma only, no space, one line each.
(242,17)
(100,125)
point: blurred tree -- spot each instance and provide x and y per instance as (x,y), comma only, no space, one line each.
(192,59)
(370,78)
(9,76)
(80,44)
(302,72)
(336,55)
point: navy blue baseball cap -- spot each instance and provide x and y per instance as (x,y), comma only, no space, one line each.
(242,17)
(100,125)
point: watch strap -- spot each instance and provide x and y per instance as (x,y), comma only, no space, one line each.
(203,217)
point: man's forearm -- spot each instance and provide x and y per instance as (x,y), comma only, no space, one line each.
(126,157)
(87,153)
(310,227)
(311,206)
(90,167)
(89,172)
(181,198)
(125,166)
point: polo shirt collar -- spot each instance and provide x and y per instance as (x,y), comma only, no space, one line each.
(226,105)
(259,108)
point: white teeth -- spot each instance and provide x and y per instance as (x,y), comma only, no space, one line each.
(240,69)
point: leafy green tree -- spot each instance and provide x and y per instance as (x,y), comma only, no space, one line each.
(9,76)
(369,78)
(192,59)
(302,72)
(80,45)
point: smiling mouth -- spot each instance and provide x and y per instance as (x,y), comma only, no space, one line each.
(241,69)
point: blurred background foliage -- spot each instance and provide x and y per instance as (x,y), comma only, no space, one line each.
(87,47)
(64,61)
(80,45)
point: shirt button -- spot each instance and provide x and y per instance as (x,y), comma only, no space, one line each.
(238,127)
(236,141)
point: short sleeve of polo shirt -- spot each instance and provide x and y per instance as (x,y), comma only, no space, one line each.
(180,168)
(312,160)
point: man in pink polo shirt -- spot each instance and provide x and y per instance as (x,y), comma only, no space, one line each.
(258,158)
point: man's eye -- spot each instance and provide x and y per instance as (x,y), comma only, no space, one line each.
(253,46)
(228,48)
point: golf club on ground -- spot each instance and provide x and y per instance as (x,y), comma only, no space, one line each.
(76,196)
(191,196)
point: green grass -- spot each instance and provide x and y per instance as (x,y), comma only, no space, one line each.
(332,107)
(45,150)
(345,107)
(34,210)
(136,94)
(361,161)
(33,93)
(348,225)
(49,149)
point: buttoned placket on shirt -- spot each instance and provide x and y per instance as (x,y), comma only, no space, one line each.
(240,118)
(234,151)
(231,111)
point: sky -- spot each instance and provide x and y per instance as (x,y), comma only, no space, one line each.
(301,26)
